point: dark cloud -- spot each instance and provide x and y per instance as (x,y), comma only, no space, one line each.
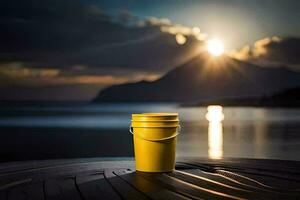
(20,82)
(65,33)
(17,74)
(49,93)
(273,51)
(285,51)
(126,16)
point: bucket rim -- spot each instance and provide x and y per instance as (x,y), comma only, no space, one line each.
(155,115)
(155,126)
(156,120)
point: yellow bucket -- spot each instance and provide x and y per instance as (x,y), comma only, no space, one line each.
(154,136)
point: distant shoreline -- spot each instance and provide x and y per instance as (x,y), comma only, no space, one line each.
(285,99)
(259,103)
(237,105)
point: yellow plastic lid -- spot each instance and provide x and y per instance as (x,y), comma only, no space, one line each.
(155,117)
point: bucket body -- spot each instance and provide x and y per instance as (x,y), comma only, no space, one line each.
(155,136)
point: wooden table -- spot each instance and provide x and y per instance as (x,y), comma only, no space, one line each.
(194,178)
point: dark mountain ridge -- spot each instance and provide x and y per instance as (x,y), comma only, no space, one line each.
(205,78)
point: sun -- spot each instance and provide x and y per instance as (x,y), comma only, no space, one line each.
(215,47)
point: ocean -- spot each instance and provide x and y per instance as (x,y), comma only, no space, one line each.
(34,132)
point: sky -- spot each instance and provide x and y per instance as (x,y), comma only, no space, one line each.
(239,22)
(71,49)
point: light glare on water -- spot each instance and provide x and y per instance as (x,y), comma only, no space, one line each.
(215,117)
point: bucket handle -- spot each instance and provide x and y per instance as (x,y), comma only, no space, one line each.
(166,138)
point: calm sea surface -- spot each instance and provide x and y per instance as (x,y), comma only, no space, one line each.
(47,132)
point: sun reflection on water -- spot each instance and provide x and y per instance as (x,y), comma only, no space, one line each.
(215,117)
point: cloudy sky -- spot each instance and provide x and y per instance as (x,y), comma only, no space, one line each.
(71,49)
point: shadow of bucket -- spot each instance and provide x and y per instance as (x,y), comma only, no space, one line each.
(154,136)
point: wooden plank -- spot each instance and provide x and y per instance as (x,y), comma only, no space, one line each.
(3,195)
(246,184)
(125,190)
(270,191)
(279,184)
(262,164)
(95,187)
(258,191)
(225,180)
(214,185)
(62,189)
(28,192)
(45,172)
(17,194)
(150,188)
(6,184)
(185,188)
(261,167)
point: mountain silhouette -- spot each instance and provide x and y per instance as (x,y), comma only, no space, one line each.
(205,78)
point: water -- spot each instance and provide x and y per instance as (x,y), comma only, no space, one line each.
(48,132)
